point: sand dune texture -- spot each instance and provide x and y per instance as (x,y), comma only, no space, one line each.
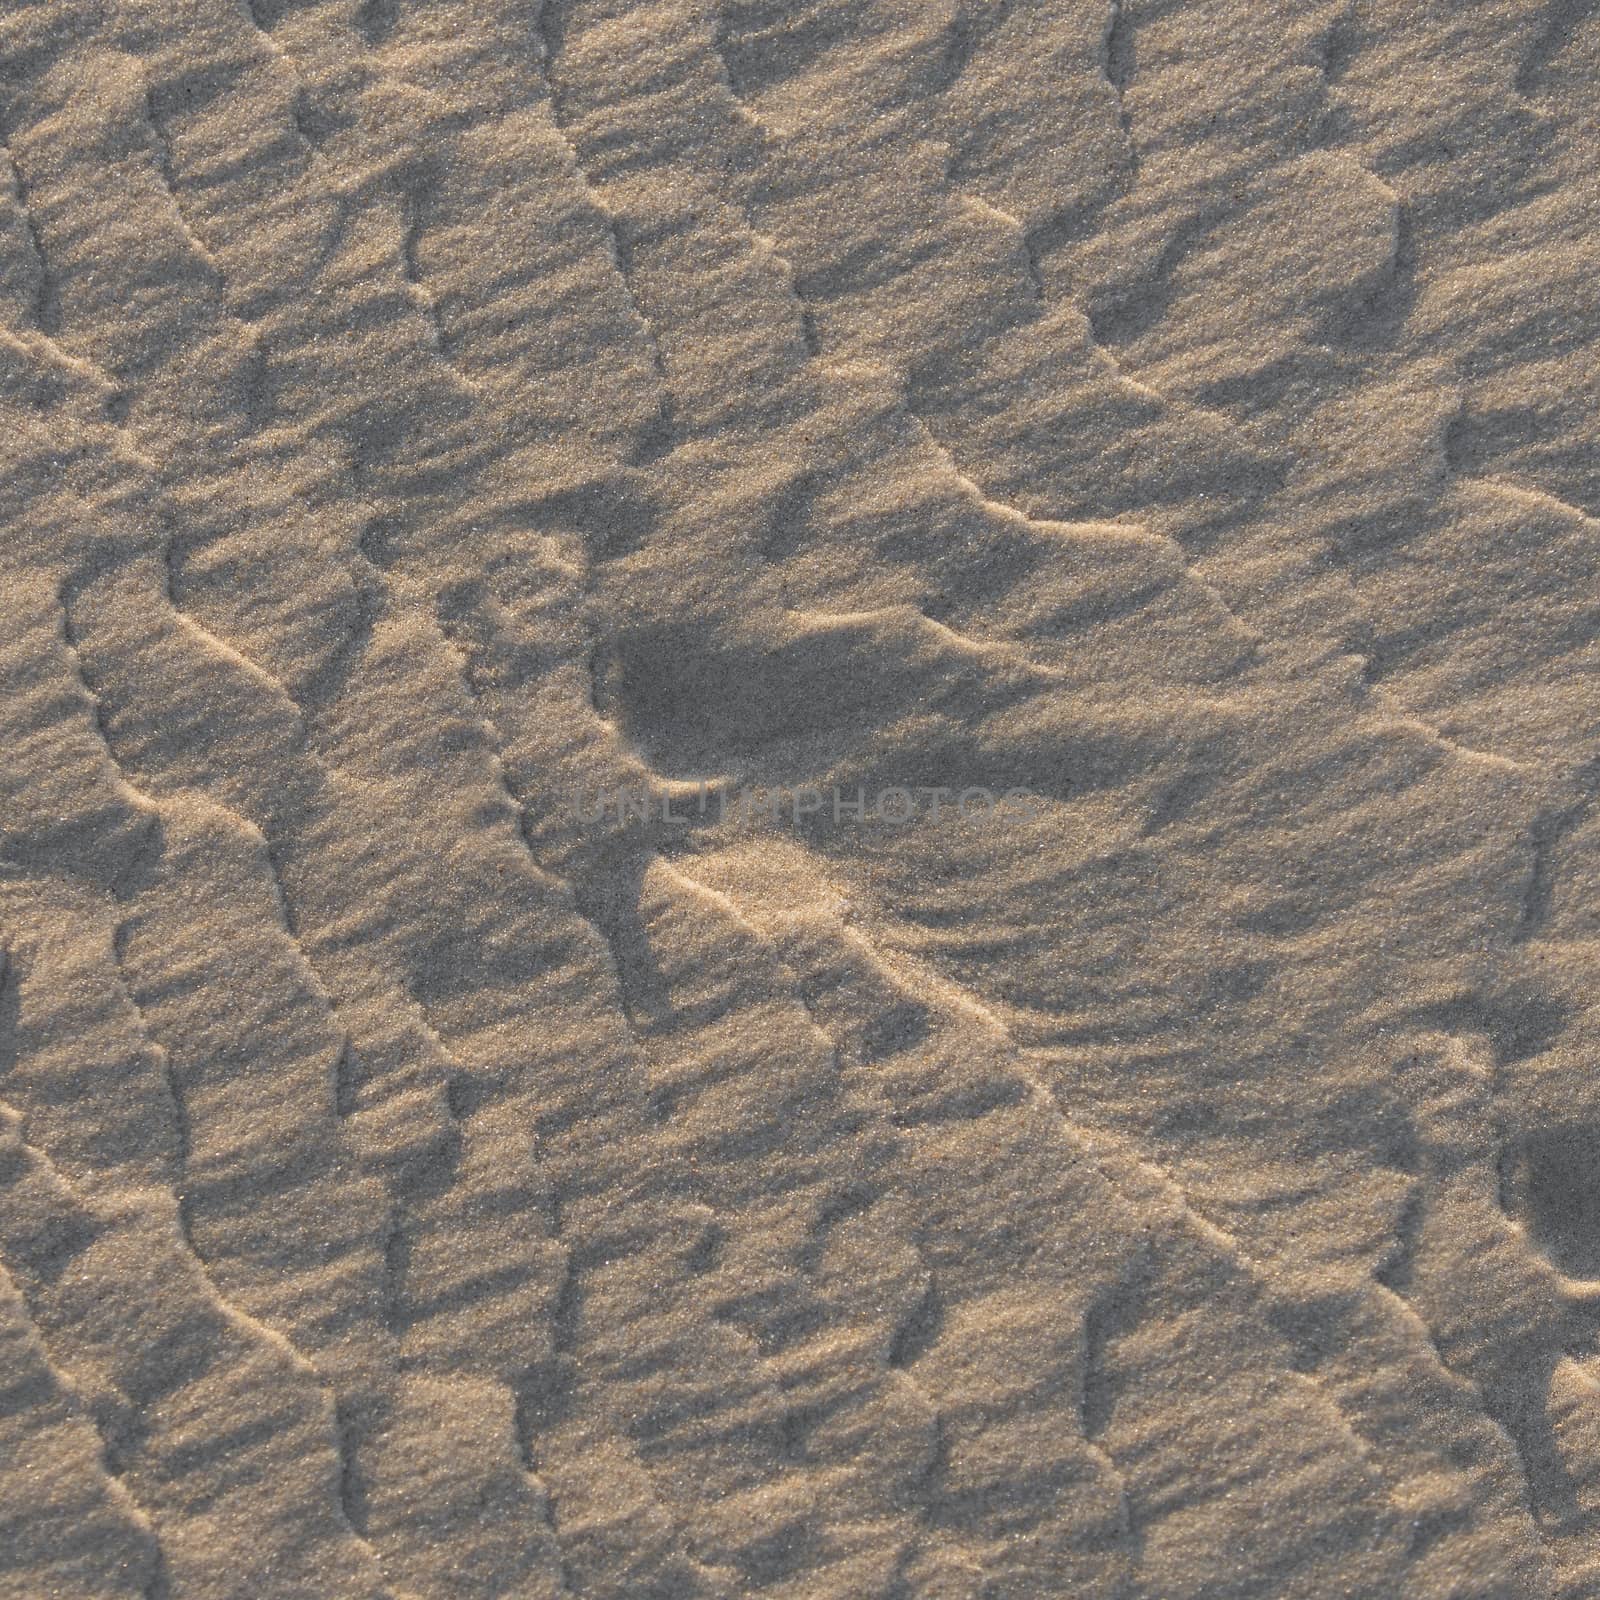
(1181,1180)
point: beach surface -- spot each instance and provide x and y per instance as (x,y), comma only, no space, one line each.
(798,800)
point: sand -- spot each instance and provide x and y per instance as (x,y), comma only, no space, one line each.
(798,799)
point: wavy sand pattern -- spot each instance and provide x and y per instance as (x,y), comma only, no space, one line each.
(1183,1184)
